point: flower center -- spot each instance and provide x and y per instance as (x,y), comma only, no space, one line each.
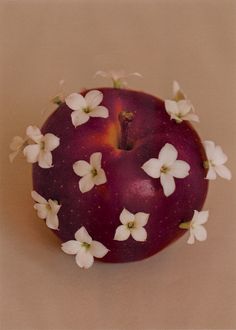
(130,225)
(86,245)
(208,163)
(87,110)
(164,169)
(48,207)
(94,172)
(42,145)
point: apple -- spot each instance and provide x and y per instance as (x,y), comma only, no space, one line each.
(135,131)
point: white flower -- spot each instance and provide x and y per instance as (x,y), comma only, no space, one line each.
(215,160)
(40,151)
(195,226)
(84,248)
(118,77)
(86,107)
(166,167)
(180,108)
(16,146)
(132,224)
(47,210)
(91,173)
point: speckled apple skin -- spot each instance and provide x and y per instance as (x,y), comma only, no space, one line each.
(127,186)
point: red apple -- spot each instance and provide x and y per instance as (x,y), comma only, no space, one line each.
(137,128)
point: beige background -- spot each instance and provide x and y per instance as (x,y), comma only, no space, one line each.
(183,287)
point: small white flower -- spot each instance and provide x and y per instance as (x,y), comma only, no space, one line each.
(91,173)
(166,167)
(215,160)
(132,224)
(47,210)
(86,107)
(180,107)
(17,144)
(118,77)
(84,248)
(40,151)
(195,226)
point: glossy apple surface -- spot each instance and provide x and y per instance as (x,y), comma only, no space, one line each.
(127,186)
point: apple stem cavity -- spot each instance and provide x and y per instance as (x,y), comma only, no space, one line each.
(125,118)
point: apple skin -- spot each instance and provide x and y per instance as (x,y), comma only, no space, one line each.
(127,186)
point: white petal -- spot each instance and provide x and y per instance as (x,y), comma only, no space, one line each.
(84,259)
(45,159)
(100,178)
(99,111)
(177,92)
(55,207)
(192,117)
(13,155)
(153,167)
(103,74)
(122,233)
(42,210)
(141,219)
(211,174)
(82,168)
(200,233)
(210,149)
(34,133)
(139,234)
(83,236)
(38,198)
(51,141)
(16,143)
(168,184)
(219,157)
(201,217)
(71,247)
(75,101)
(79,118)
(171,107)
(180,169)
(191,239)
(31,152)
(86,183)
(184,106)
(223,171)
(93,98)
(126,217)
(95,160)
(52,221)
(168,154)
(97,249)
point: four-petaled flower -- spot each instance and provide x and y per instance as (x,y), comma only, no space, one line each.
(84,248)
(180,108)
(195,226)
(17,144)
(166,167)
(86,107)
(118,77)
(215,160)
(40,151)
(47,210)
(132,224)
(91,173)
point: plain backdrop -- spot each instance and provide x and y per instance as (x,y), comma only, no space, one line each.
(42,42)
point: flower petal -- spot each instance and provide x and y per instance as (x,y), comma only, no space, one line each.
(180,169)
(86,183)
(184,106)
(38,198)
(79,118)
(223,172)
(51,142)
(139,234)
(100,178)
(219,157)
(122,233)
(211,174)
(31,152)
(84,259)
(99,111)
(13,155)
(168,184)
(71,247)
(126,216)
(171,107)
(153,167)
(178,94)
(93,98)
(75,101)
(52,220)
(45,159)
(97,249)
(192,117)
(191,239)
(42,210)
(81,167)
(16,143)
(210,149)
(95,160)
(34,133)
(83,236)
(141,219)
(200,233)
(55,207)
(168,154)
(200,218)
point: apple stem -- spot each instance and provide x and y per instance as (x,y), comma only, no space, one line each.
(125,118)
